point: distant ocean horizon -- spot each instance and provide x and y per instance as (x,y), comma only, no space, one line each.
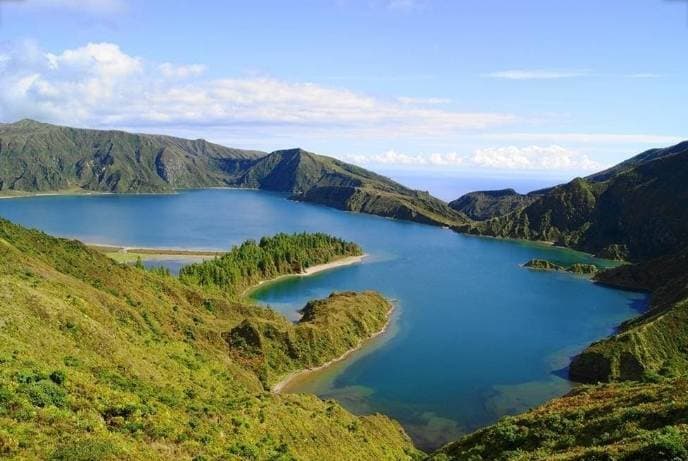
(450,185)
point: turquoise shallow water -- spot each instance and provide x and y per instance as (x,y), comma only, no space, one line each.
(475,336)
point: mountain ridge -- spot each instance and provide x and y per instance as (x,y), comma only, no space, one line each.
(40,157)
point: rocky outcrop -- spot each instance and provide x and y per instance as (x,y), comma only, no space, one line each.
(543,264)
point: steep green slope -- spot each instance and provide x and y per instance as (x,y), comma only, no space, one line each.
(656,343)
(637,214)
(619,422)
(327,181)
(328,328)
(104,361)
(483,205)
(38,157)
(640,159)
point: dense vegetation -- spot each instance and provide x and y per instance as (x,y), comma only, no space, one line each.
(38,157)
(251,262)
(483,205)
(103,361)
(624,422)
(327,329)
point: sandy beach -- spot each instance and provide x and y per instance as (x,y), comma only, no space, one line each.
(311,270)
(280,385)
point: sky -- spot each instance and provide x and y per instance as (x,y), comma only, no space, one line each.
(481,88)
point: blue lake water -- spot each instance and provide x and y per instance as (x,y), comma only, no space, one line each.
(475,336)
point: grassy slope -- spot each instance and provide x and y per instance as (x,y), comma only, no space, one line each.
(38,157)
(483,205)
(600,423)
(325,180)
(329,328)
(104,361)
(654,344)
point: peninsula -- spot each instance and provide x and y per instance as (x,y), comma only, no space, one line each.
(155,365)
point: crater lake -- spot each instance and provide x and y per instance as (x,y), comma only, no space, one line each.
(475,336)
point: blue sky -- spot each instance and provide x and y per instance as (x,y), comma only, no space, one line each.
(538,88)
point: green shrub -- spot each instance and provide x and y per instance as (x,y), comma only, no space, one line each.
(45,393)
(58,377)
(245,451)
(666,445)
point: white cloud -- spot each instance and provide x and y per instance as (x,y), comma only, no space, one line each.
(100,85)
(587,138)
(390,157)
(537,74)
(534,158)
(423,101)
(102,60)
(170,70)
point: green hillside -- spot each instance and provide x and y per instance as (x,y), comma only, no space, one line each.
(483,205)
(614,422)
(328,328)
(38,157)
(103,361)
(315,178)
(654,345)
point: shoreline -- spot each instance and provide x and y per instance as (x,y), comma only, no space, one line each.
(279,386)
(346,261)
(85,192)
(152,250)
(53,194)
(124,254)
(452,227)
